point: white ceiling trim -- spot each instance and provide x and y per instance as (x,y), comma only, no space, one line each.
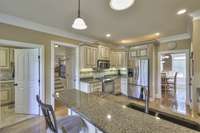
(19,22)
(195,15)
(174,38)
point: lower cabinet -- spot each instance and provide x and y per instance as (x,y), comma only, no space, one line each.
(90,126)
(6,93)
(90,87)
(117,85)
(124,86)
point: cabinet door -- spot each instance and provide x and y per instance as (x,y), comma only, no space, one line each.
(112,59)
(123,59)
(107,52)
(88,56)
(93,56)
(104,52)
(132,54)
(4,58)
(5,95)
(124,86)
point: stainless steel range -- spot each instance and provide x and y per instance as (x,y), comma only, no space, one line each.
(108,84)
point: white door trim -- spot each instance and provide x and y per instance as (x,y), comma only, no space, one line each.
(187,52)
(42,53)
(77,75)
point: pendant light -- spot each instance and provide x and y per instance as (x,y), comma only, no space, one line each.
(79,23)
(121,4)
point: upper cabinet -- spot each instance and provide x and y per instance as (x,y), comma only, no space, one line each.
(103,52)
(142,52)
(118,59)
(4,58)
(88,56)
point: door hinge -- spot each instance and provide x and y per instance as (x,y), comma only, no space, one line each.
(39,81)
(38,56)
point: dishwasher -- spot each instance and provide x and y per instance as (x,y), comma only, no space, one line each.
(108,86)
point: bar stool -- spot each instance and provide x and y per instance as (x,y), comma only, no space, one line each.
(70,124)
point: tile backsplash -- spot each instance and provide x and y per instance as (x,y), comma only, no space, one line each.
(90,73)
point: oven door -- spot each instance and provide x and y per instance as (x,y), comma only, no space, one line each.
(108,87)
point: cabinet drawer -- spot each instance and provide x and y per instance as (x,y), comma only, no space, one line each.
(5,96)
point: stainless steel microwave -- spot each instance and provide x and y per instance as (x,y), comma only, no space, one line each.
(103,64)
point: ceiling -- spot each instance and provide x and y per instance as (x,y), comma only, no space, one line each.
(137,23)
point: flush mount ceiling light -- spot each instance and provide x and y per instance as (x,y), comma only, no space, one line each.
(121,4)
(79,23)
(108,35)
(182,11)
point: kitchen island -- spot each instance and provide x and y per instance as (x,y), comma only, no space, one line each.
(111,117)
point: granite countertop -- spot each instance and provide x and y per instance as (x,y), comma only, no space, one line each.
(121,119)
(90,80)
(93,80)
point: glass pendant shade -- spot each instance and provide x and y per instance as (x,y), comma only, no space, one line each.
(121,4)
(79,24)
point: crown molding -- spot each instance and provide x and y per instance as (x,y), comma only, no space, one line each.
(19,22)
(174,38)
(195,15)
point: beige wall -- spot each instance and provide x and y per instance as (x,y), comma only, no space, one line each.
(9,32)
(180,45)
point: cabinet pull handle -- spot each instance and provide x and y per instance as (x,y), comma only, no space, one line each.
(15,84)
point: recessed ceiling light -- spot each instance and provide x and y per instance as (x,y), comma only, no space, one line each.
(109,116)
(126,41)
(182,11)
(121,4)
(157,34)
(108,35)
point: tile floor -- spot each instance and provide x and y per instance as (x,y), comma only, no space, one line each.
(9,117)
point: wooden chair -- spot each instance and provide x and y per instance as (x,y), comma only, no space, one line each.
(164,84)
(70,124)
(172,82)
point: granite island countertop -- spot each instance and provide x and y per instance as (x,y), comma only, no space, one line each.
(121,119)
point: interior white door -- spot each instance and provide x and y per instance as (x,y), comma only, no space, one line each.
(26,80)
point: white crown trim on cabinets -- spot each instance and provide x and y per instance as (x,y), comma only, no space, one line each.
(175,38)
(195,15)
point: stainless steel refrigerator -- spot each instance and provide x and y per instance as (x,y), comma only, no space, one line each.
(138,78)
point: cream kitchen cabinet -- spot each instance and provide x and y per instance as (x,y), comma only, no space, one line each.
(118,59)
(88,56)
(138,53)
(90,87)
(90,127)
(6,92)
(124,86)
(4,58)
(103,52)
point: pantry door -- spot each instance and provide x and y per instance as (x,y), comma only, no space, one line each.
(27,81)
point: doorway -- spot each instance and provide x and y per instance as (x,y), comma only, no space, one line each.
(21,79)
(174,80)
(64,72)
